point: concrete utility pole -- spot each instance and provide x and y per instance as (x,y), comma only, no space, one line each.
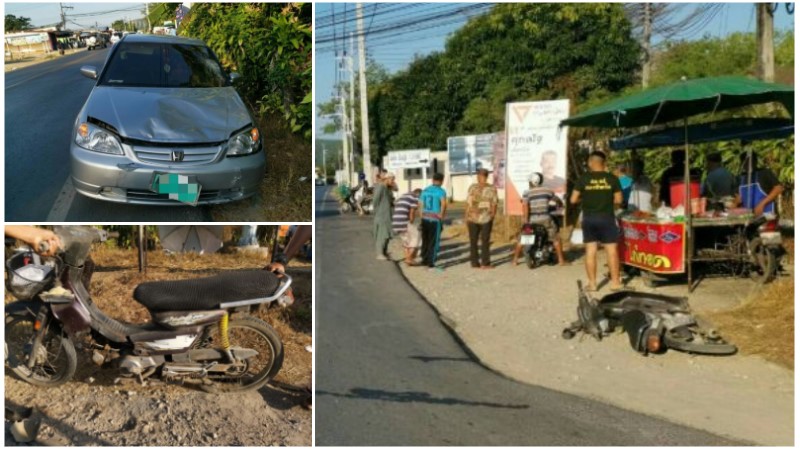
(352,129)
(647,27)
(362,91)
(64,15)
(765,41)
(147,16)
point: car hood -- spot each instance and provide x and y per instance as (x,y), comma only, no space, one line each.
(169,114)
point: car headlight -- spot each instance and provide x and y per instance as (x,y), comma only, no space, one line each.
(96,139)
(245,143)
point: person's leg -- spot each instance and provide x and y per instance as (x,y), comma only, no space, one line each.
(474,230)
(559,252)
(517,251)
(427,239)
(613,264)
(437,232)
(486,240)
(591,265)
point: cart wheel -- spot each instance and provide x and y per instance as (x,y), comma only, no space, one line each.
(765,263)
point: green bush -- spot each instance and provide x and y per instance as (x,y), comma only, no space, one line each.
(269,46)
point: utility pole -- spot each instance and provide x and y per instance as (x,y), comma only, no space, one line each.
(765,44)
(352,129)
(64,15)
(324,163)
(362,91)
(647,27)
(147,16)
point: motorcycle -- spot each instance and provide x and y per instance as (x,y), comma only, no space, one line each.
(653,322)
(537,247)
(765,247)
(365,202)
(202,330)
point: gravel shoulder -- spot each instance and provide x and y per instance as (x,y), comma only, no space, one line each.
(511,319)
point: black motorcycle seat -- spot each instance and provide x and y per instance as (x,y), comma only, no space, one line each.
(206,293)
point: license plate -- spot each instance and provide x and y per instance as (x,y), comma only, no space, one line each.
(527,239)
(183,188)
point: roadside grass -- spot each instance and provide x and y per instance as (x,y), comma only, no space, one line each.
(285,194)
(764,325)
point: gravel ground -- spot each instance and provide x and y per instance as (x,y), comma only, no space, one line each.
(511,319)
(91,410)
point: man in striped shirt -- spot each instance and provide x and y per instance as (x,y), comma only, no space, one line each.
(536,209)
(403,225)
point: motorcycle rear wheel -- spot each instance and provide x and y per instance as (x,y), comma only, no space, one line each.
(691,342)
(253,333)
(765,264)
(530,261)
(56,361)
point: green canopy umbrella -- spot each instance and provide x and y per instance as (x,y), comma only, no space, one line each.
(682,99)
(679,101)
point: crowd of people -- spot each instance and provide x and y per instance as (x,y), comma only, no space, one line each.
(417,217)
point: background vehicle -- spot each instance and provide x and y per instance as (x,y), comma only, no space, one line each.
(96,40)
(536,245)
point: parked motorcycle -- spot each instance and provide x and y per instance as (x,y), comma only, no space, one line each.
(537,247)
(654,323)
(202,330)
(765,247)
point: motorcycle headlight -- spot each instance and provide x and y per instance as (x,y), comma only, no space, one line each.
(96,139)
(245,143)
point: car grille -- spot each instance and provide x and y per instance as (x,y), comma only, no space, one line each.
(191,156)
(135,194)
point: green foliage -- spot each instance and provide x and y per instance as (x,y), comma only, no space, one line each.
(269,46)
(161,12)
(14,23)
(128,235)
(516,52)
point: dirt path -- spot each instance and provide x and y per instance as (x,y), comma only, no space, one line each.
(511,318)
(92,410)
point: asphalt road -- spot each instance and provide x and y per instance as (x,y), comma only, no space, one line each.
(389,373)
(41,104)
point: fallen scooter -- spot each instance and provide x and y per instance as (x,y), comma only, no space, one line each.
(653,322)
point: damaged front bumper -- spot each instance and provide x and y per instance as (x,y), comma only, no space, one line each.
(127,179)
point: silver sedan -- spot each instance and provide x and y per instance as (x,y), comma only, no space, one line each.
(163,125)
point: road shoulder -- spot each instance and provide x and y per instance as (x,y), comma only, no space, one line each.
(510,318)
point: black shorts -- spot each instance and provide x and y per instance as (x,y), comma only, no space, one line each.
(601,228)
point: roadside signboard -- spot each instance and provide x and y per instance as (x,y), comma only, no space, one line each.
(499,160)
(467,154)
(408,159)
(535,143)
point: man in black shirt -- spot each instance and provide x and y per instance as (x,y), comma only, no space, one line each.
(599,193)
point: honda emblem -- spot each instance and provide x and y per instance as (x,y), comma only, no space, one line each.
(177,156)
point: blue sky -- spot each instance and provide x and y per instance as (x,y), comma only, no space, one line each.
(49,13)
(397,52)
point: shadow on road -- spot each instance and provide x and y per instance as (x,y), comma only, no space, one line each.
(414,397)
(427,359)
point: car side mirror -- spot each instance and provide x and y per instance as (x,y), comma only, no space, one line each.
(89,72)
(234,76)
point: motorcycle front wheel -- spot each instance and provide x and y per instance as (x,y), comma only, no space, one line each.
(251,333)
(55,361)
(765,264)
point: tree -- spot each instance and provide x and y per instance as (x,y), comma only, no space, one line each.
(161,12)
(269,46)
(14,23)
(515,52)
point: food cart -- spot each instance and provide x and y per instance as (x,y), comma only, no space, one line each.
(662,247)
(723,236)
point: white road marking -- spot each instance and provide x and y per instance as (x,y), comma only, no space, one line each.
(63,202)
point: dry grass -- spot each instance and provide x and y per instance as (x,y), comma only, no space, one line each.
(283,196)
(116,275)
(764,325)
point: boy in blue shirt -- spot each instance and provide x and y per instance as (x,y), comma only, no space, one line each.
(433,203)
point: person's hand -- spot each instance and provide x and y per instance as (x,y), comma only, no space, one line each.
(35,237)
(759,209)
(276,268)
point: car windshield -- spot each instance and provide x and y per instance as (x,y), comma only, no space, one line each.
(164,65)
